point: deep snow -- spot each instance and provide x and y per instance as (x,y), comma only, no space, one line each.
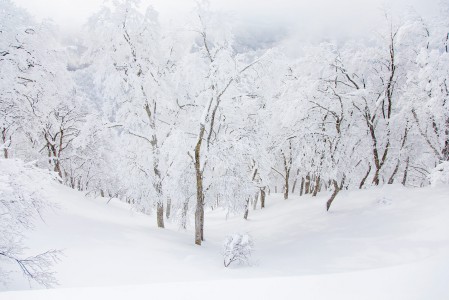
(384,243)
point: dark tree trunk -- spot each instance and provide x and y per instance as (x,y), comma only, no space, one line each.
(404,179)
(262,198)
(362,183)
(376,176)
(391,180)
(334,194)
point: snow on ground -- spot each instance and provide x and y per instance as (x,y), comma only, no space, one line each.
(384,243)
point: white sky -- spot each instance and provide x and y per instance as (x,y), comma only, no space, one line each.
(335,18)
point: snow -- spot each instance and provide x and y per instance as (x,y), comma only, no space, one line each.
(440,174)
(384,243)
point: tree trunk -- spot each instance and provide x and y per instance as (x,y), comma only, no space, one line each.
(445,152)
(160,215)
(317,186)
(294,185)
(296,180)
(168,209)
(185,210)
(157,179)
(334,194)
(199,212)
(57,168)
(391,180)
(362,183)
(376,177)
(245,216)
(287,175)
(287,168)
(5,149)
(262,198)
(301,191)
(256,198)
(404,179)
(307,191)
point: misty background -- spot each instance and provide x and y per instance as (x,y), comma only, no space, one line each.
(259,23)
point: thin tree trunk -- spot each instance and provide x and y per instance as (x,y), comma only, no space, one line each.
(185,209)
(362,183)
(445,152)
(301,191)
(296,180)
(404,179)
(199,212)
(391,180)
(245,216)
(262,198)
(57,168)
(5,149)
(317,186)
(334,194)
(168,209)
(287,175)
(307,184)
(256,198)
(160,215)
(294,185)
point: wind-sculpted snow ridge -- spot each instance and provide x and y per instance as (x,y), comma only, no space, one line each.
(362,249)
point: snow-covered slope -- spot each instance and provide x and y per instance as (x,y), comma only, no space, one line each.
(383,243)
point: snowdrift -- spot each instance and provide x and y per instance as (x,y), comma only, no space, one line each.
(384,243)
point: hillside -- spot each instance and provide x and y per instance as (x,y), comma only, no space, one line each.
(383,243)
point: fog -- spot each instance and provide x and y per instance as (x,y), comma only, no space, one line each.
(259,21)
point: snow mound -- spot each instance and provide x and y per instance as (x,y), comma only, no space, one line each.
(357,250)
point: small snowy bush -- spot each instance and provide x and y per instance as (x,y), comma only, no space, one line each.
(237,247)
(23,200)
(440,174)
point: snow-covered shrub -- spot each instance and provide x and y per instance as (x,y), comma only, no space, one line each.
(22,201)
(440,174)
(237,247)
(384,201)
